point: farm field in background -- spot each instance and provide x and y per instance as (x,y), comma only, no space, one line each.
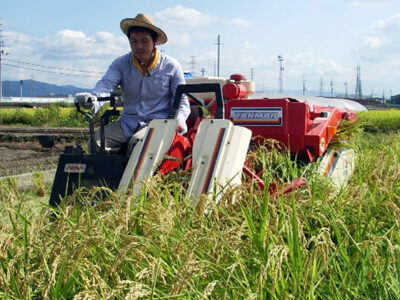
(313,243)
(376,121)
(56,115)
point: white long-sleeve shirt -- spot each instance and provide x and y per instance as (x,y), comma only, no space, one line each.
(145,97)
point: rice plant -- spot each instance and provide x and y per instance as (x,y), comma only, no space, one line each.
(47,116)
(52,115)
(310,244)
(380,121)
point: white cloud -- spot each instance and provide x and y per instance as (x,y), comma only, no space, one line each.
(183,16)
(180,39)
(107,37)
(367,2)
(309,66)
(240,22)
(249,45)
(186,17)
(68,44)
(17,43)
(375,42)
(51,58)
(178,21)
(382,41)
(313,64)
(71,35)
(185,25)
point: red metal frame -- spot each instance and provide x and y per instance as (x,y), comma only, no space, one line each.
(306,130)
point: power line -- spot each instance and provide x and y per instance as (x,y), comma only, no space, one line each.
(50,72)
(49,67)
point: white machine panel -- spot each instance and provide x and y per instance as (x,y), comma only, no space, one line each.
(219,153)
(148,154)
(338,165)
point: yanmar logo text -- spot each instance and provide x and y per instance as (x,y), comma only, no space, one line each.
(257,116)
(75,168)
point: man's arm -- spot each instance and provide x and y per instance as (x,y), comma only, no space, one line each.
(105,86)
(184,106)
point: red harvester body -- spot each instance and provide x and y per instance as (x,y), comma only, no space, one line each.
(305,129)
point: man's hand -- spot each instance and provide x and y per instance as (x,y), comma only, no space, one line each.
(182,125)
(86,100)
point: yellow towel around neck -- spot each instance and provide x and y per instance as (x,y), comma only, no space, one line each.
(154,62)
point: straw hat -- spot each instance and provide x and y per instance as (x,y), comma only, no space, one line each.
(146,21)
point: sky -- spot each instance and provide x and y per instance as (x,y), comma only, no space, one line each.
(321,41)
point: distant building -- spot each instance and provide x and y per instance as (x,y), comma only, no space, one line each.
(395,99)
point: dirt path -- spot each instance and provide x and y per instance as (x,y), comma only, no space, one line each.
(23,157)
(20,151)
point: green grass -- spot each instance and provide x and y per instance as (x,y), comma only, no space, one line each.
(56,115)
(48,116)
(380,120)
(310,244)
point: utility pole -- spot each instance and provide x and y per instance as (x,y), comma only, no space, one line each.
(193,65)
(252,73)
(202,72)
(331,87)
(345,89)
(215,68)
(321,87)
(280,59)
(31,86)
(21,82)
(358,85)
(304,86)
(1,53)
(219,50)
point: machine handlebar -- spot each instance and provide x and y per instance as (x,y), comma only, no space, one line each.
(103,99)
(90,117)
(100,99)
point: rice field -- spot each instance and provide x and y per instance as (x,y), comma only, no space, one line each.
(313,243)
(54,115)
(381,120)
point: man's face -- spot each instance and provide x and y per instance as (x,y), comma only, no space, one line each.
(142,45)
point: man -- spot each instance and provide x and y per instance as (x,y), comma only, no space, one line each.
(148,80)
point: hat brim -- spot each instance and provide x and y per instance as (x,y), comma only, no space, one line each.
(128,23)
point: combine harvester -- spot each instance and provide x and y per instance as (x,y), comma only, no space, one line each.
(214,149)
